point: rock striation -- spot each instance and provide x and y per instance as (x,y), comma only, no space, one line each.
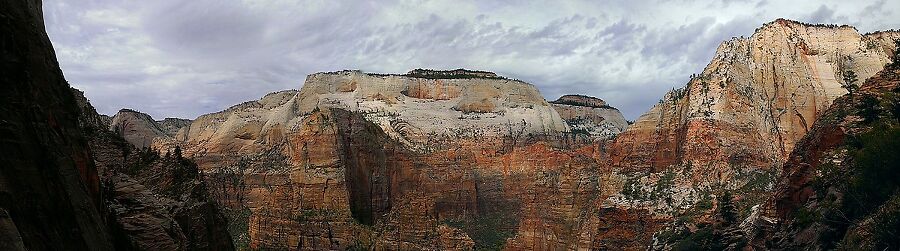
(833,191)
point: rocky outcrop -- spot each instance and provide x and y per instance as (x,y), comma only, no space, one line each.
(415,110)
(51,197)
(422,113)
(151,201)
(589,116)
(141,130)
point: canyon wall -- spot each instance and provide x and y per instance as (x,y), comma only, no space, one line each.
(424,160)
(49,184)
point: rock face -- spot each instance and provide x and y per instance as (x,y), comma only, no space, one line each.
(48,181)
(433,107)
(590,116)
(735,123)
(151,202)
(140,129)
(840,171)
(424,160)
(834,191)
(754,101)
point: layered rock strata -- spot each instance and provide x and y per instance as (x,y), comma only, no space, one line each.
(734,124)
(387,161)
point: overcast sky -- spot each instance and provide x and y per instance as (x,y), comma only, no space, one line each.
(187,58)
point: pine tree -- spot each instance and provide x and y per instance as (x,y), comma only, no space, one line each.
(178,152)
(850,79)
(727,211)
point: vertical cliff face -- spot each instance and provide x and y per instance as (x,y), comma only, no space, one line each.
(757,97)
(50,190)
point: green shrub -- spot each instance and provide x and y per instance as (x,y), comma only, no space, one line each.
(877,166)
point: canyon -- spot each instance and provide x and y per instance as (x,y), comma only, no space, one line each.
(466,159)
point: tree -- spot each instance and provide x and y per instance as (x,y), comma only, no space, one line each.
(178,152)
(726,209)
(850,79)
(868,108)
(896,58)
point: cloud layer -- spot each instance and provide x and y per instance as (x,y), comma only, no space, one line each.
(186,58)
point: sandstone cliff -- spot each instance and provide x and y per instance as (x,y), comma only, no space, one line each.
(837,187)
(754,100)
(734,124)
(424,160)
(835,190)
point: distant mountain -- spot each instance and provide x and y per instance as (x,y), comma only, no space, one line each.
(140,129)
(590,116)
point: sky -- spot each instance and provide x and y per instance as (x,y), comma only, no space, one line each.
(188,58)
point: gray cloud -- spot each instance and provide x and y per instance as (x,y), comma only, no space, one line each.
(177,58)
